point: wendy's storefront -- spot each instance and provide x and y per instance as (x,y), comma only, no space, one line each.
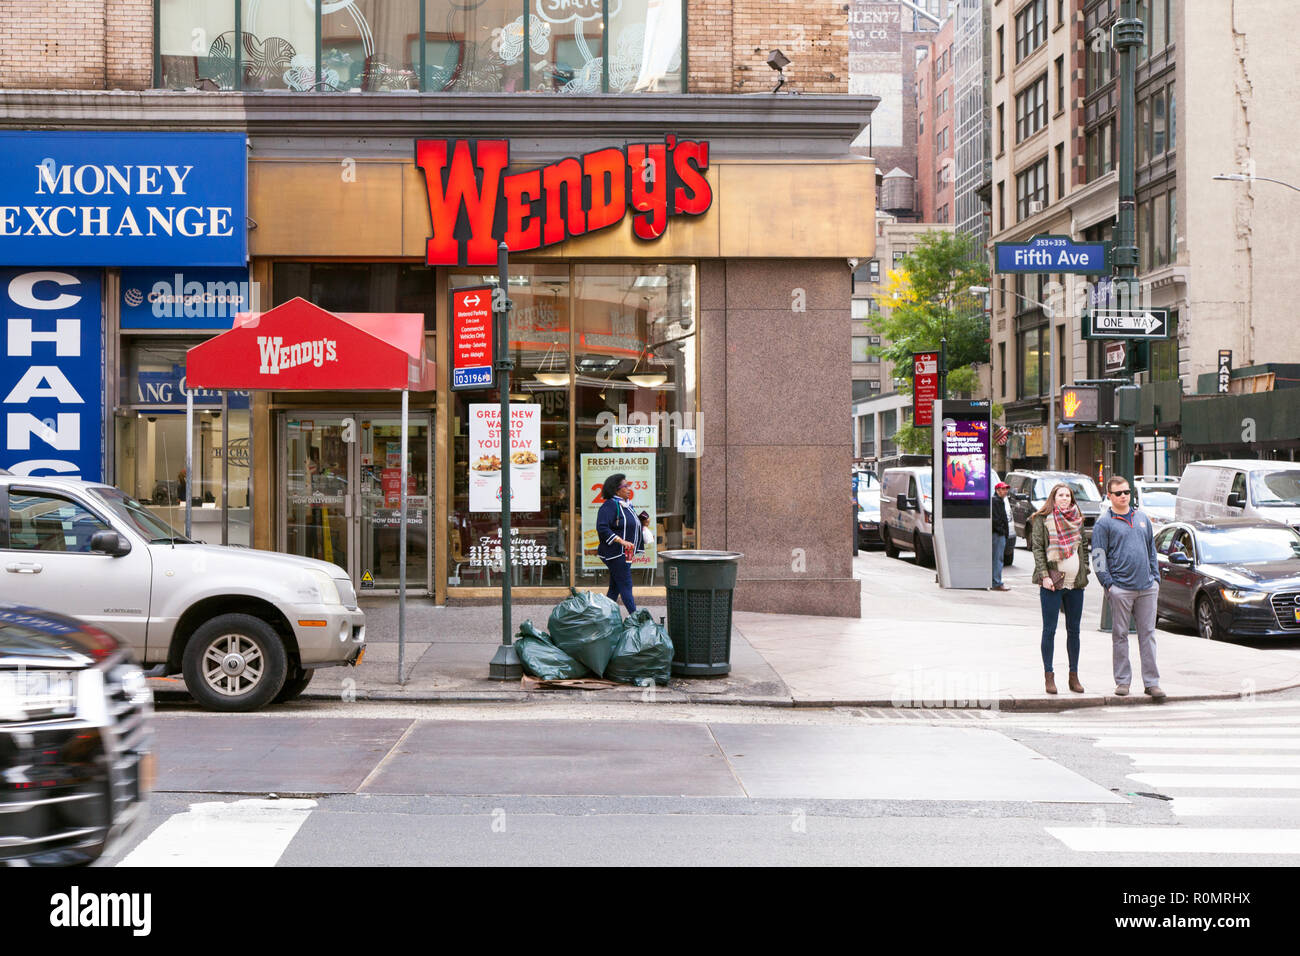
(680,291)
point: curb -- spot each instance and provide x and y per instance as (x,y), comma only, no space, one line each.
(1020,705)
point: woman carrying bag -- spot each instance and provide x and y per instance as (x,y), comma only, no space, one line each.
(1061,571)
(623,535)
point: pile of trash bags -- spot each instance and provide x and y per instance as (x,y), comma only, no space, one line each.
(589,637)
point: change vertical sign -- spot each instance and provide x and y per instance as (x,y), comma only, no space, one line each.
(471,342)
(925,387)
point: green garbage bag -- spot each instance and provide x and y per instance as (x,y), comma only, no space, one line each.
(586,625)
(543,659)
(644,652)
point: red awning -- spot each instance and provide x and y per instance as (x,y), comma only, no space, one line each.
(299,346)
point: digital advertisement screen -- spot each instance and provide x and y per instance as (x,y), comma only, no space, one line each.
(966,459)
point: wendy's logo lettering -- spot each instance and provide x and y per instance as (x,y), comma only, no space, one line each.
(474,203)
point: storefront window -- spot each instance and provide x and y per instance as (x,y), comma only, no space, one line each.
(608,353)
(371,45)
(150,442)
(196,44)
(647,51)
(278,49)
(539,347)
(485,47)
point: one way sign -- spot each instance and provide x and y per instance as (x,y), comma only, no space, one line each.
(1129,324)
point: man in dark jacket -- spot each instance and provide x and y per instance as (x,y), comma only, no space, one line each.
(1001,531)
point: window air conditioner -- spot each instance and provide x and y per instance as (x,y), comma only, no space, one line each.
(1035,207)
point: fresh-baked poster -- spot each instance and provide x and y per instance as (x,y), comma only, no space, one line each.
(640,470)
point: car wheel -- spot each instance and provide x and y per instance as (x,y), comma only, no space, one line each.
(891,549)
(294,685)
(1207,625)
(235,662)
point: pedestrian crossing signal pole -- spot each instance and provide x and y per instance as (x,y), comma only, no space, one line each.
(1127,34)
(505,663)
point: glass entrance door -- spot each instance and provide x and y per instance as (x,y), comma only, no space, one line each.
(317,482)
(341,481)
(380,501)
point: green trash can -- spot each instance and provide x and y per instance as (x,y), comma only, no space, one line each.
(700,585)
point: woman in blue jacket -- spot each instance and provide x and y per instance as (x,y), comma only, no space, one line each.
(622,536)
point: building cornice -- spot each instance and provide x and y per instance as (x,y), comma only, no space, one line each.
(745,125)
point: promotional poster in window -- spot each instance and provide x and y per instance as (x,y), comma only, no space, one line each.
(965,460)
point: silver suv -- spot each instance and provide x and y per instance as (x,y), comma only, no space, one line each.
(244,627)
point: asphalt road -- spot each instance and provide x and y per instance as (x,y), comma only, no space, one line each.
(338,784)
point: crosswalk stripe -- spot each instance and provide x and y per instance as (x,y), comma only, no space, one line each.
(1278,761)
(1219,781)
(1206,743)
(1270,808)
(1216,730)
(1177,839)
(242,833)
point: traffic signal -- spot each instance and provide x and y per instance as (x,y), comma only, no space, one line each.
(1080,404)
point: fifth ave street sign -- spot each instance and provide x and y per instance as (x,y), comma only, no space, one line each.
(1052,254)
(1129,324)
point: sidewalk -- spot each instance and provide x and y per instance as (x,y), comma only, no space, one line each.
(918,646)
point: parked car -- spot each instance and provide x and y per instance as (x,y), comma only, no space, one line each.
(1230,577)
(1267,490)
(244,627)
(906,507)
(1029,490)
(868,518)
(76,755)
(1156,498)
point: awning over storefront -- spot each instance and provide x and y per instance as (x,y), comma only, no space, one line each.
(299,346)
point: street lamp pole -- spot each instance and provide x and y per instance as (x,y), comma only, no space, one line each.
(1245,178)
(1128,34)
(1050,313)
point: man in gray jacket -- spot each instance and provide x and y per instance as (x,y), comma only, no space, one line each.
(1124,556)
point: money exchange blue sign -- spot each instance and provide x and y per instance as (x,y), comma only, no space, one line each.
(1052,254)
(118,199)
(51,372)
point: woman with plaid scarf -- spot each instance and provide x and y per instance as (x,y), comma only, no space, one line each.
(1061,571)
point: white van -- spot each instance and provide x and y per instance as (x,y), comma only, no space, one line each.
(906,507)
(1268,490)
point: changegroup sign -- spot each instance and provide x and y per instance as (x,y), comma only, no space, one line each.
(471,339)
(112,199)
(185,298)
(51,373)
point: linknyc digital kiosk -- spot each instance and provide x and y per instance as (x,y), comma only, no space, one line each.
(962,488)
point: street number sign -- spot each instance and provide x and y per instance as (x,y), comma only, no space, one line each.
(472,344)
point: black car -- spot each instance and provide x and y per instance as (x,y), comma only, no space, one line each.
(75,739)
(1029,491)
(1230,577)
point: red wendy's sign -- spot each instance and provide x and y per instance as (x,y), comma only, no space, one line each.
(474,203)
(471,338)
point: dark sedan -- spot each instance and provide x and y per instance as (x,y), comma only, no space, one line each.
(75,739)
(1230,577)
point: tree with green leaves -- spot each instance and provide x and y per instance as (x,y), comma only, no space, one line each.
(925,299)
